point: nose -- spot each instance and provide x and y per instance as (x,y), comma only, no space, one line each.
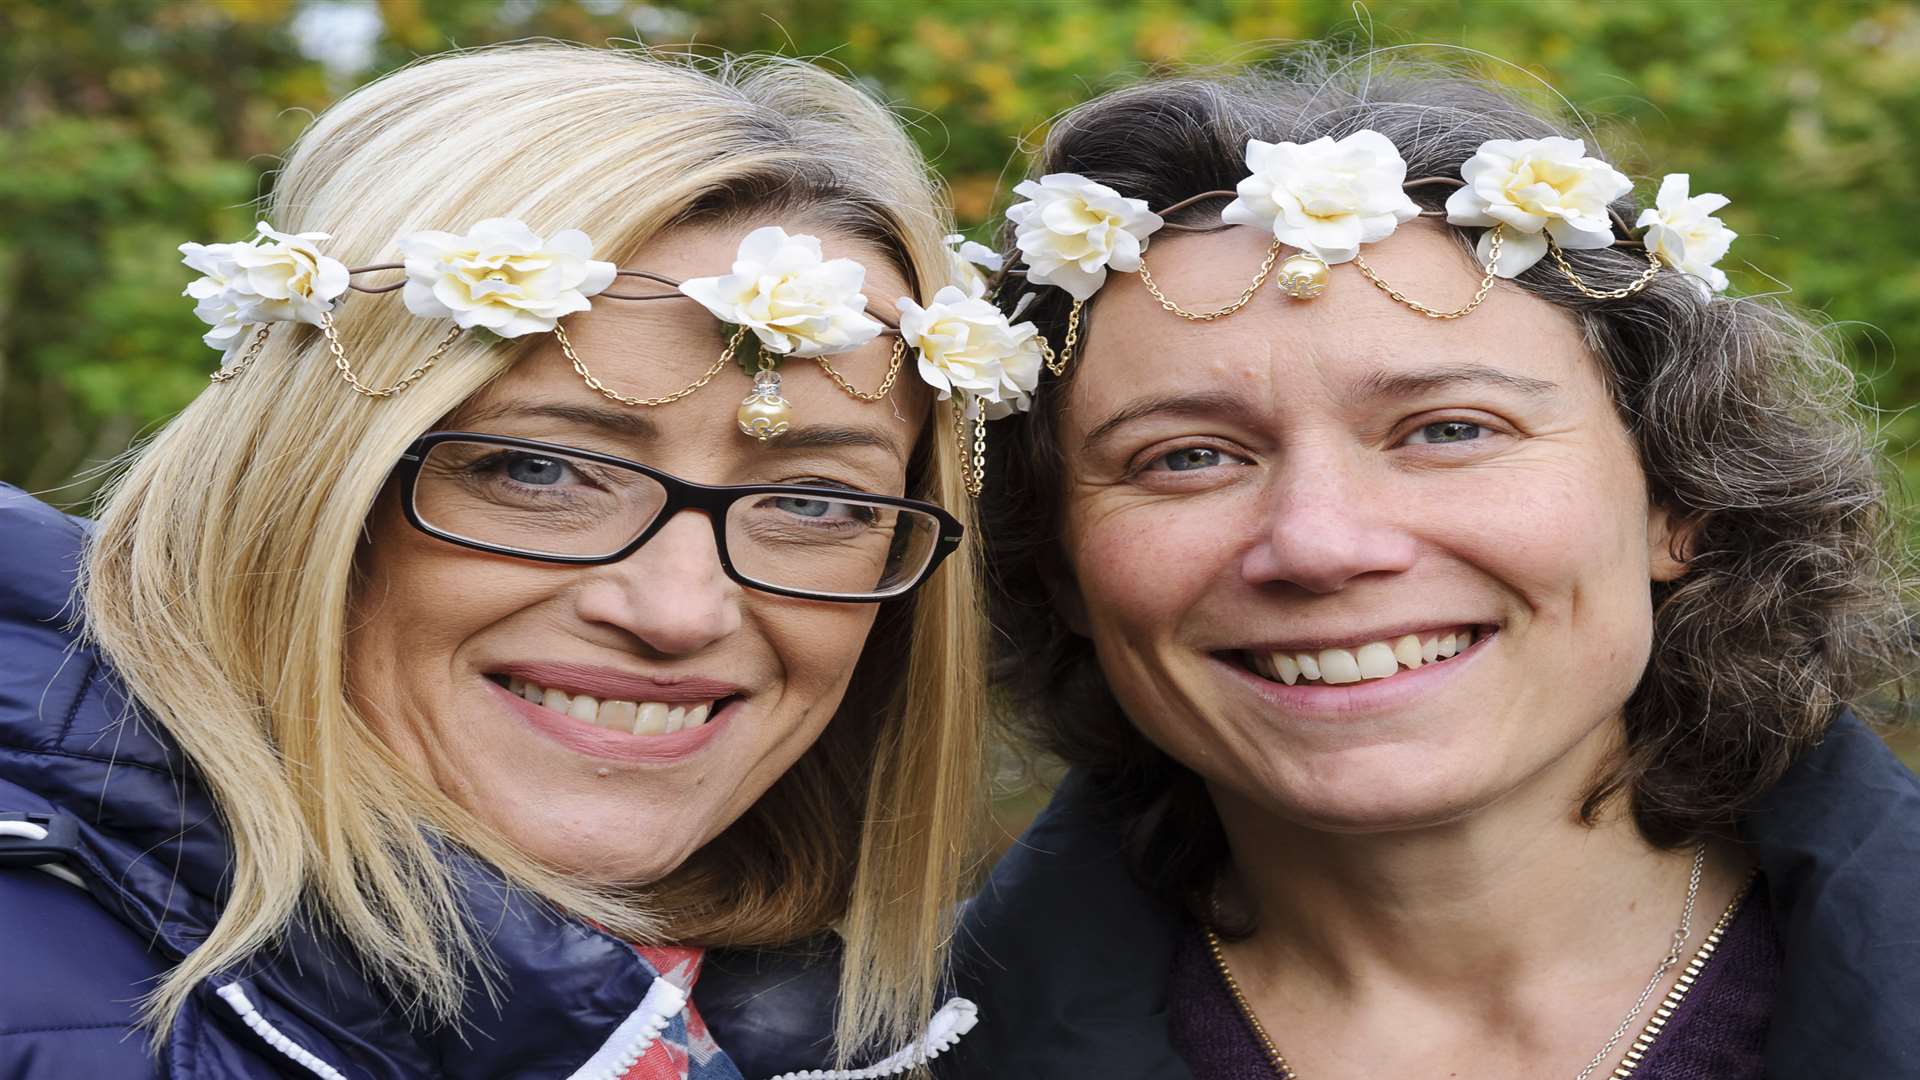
(671,594)
(1324,522)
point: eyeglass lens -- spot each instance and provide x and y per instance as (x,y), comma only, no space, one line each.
(547,503)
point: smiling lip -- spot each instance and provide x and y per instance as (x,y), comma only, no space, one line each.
(1361,637)
(610,684)
(596,741)
(1368,698)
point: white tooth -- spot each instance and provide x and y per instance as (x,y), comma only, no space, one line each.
(652,719)
(584,708)
(1448,645)
(696,716)
(555,700)
(676,718)
(533,692)
(1406,650)
(1375,660)
(618,715)
(1309,664)
(1337,666)
(1430,649)
(1289,670)
(514,686)
(1467,637)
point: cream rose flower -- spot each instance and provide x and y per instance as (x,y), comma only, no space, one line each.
(967,259)
(1537,188)
(1683,231)
(968,347)
(275,277)
(1072,230)
(501,276)
(1325,197)
(796,302)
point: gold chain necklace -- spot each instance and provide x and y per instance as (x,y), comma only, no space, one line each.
(1641,1044)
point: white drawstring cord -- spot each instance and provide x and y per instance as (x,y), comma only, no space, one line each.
(233,995)
(953,1020)
(27,830)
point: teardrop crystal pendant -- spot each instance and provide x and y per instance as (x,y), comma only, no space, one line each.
(764,413)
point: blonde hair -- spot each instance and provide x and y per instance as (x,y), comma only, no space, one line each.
(222,576)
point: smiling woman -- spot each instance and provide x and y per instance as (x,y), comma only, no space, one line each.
(1455,686)
(464,692)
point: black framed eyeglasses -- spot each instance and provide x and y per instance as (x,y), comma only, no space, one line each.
(558,504)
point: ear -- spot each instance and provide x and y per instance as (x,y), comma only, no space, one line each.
(1670,544)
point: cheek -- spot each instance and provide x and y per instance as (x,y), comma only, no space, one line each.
(817,646)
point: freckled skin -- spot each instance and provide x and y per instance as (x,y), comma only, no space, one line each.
(433,618)
(1319,510)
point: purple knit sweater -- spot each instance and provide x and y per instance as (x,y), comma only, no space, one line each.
(1718,1033)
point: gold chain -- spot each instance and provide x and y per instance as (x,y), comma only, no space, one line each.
(253,350)
(893,372)
(1655,1024)
(1058,364)
(973,466)
(411,377)
(1146,278)
(580,366)
(1486,282)
(1621,293)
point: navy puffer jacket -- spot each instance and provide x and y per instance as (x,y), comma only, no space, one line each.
(113,867)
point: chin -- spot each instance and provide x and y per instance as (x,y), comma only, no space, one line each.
(1377,791)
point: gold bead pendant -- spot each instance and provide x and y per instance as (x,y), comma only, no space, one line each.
(1303,275)
(764,413)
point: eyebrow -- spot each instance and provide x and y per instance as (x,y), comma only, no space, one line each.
(1203,403)
(1378,384)
(642,428)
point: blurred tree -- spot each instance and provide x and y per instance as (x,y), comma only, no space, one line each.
(129,126)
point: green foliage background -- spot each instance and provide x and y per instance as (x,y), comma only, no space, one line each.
(129,126)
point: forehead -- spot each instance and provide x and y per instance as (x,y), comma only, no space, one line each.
(657,348)
(1351,332)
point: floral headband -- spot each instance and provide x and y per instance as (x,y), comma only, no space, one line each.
(504,278)
(1325,199)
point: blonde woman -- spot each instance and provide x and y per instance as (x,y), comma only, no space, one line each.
(456,688)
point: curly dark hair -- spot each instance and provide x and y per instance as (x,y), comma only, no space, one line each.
(1742,412)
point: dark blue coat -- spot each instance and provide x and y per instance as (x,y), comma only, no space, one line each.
(126,822)
(1067,957)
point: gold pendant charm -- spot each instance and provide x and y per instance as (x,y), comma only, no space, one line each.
(1303,276)
(764,413)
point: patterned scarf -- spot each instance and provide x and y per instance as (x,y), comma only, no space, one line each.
(684,1051)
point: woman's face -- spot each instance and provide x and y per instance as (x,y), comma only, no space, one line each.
(444,635)
(1344,480)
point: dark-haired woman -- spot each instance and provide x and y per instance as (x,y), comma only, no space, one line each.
(1454,652)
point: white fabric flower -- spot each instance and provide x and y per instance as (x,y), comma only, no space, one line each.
(1683,231)
(797,303)
(1072,230)
(1537,188)
(502,276)
(1325,197)
(968,347)
(275,277)
(966,259)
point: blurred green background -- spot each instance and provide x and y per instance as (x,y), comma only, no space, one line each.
(129,126)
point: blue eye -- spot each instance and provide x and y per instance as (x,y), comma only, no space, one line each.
(1190,459)
(1447,431)
(812,508)
(534,470)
